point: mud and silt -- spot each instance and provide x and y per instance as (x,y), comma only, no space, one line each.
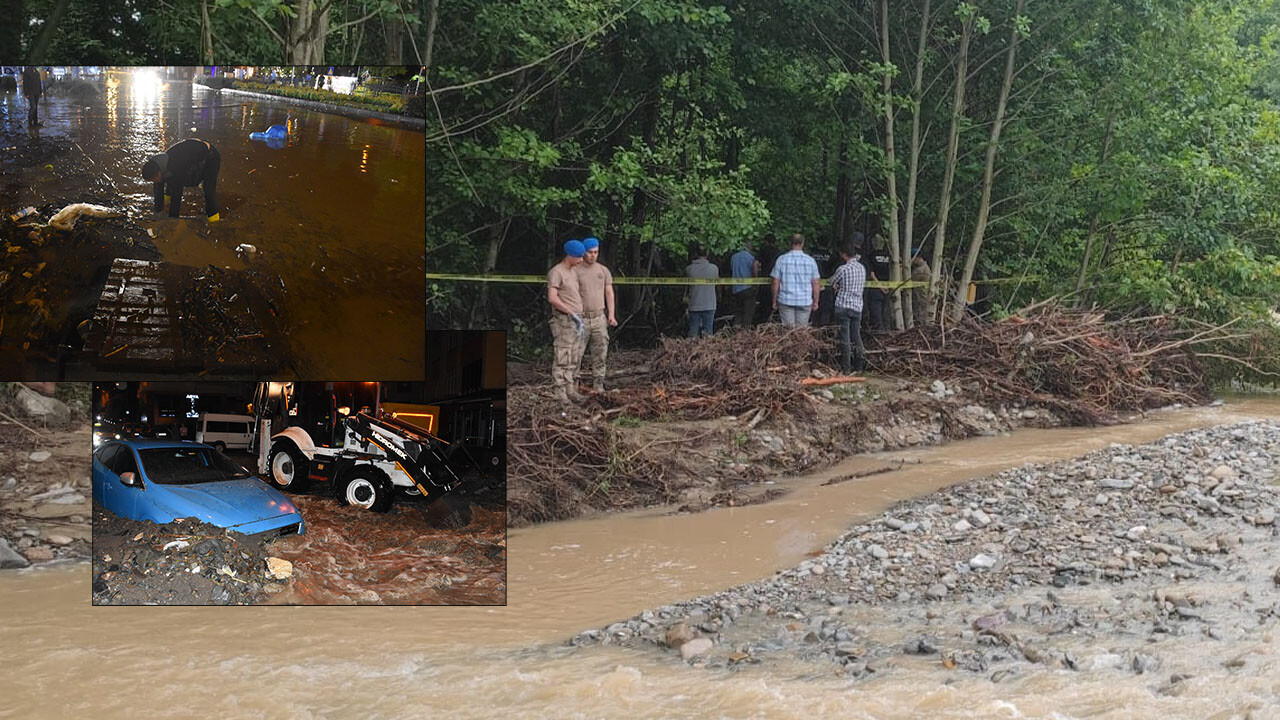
(334,222)
(449,552)
(184,562)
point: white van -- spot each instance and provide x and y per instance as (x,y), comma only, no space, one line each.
(225,431)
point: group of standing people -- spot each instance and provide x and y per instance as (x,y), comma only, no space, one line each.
(580,291)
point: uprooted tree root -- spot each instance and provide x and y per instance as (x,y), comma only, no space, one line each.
(1076,362)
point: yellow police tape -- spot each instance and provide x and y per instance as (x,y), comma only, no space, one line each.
(538,279)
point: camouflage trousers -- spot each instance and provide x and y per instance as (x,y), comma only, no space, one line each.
(569,345)
(597,349)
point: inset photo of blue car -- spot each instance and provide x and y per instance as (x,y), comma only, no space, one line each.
(163,481)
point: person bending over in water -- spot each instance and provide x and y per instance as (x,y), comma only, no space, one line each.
(188,163)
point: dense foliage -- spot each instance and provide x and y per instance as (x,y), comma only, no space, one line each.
(1118,152)
(187,32)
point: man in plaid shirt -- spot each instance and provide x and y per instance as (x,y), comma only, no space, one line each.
(795,284)
(848,282)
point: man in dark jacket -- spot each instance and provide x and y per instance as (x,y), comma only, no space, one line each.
(187,164)
(32,89)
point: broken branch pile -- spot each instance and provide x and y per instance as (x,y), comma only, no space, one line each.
(727,374)
(559,465)
(1077,362)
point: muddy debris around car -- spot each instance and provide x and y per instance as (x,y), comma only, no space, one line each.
(185,562)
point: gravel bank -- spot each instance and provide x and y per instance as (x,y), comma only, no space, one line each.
(1091,563)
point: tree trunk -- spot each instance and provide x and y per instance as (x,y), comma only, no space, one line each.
(206,34)
(1093,222)
(393,31)
(839,228)
(988,172)
(891,175)
(949,170)
(307,34)
(41,46)
(433,13)
(480,310)
(11,30)
(913,168)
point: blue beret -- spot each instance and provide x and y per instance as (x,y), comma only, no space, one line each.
(574,248)
(591,243)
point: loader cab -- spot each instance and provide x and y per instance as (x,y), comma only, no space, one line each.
(319,408)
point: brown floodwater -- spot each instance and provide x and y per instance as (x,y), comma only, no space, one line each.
(448,553)
(336,213)
(566,577)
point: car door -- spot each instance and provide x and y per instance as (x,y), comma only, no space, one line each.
(121,499)
(102,476)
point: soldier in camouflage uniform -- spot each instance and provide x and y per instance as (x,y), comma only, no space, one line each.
(567,328)
(596,283)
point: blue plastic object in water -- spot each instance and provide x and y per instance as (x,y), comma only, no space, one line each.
(275,132)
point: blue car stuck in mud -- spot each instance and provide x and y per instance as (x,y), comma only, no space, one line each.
(162,481)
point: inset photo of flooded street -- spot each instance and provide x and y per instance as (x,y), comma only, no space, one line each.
(315,493)
(211,222)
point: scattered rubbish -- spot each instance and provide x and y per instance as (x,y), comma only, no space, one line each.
(179,544)
(246,249)
(24,212)
(279,568)
(275,132)
(66,218)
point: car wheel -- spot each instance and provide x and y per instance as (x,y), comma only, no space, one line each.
(287,468)
(367,487)
(220,447)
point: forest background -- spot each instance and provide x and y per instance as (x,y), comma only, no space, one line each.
(1123,154)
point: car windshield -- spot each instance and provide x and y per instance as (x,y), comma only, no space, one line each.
(188,466)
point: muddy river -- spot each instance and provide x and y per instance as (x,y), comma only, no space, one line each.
(566,577)
(335,213)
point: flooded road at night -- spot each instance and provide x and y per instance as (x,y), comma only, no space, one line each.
(333,283)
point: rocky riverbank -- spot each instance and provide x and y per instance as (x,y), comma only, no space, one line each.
(1130,559)
(44,478)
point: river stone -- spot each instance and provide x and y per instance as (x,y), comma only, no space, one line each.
(40,456)
(679,634)
(878,552)
(980,518)
(1222,472)
(961,526)
(58,539)
(936,591)
(9,558)
(1115,484)
(694,648)
(893,523)
(1143,663)
(39,554)
(982,561)
(37,405)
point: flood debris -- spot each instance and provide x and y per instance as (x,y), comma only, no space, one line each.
(185,562)
(1084,365)
(65,219)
